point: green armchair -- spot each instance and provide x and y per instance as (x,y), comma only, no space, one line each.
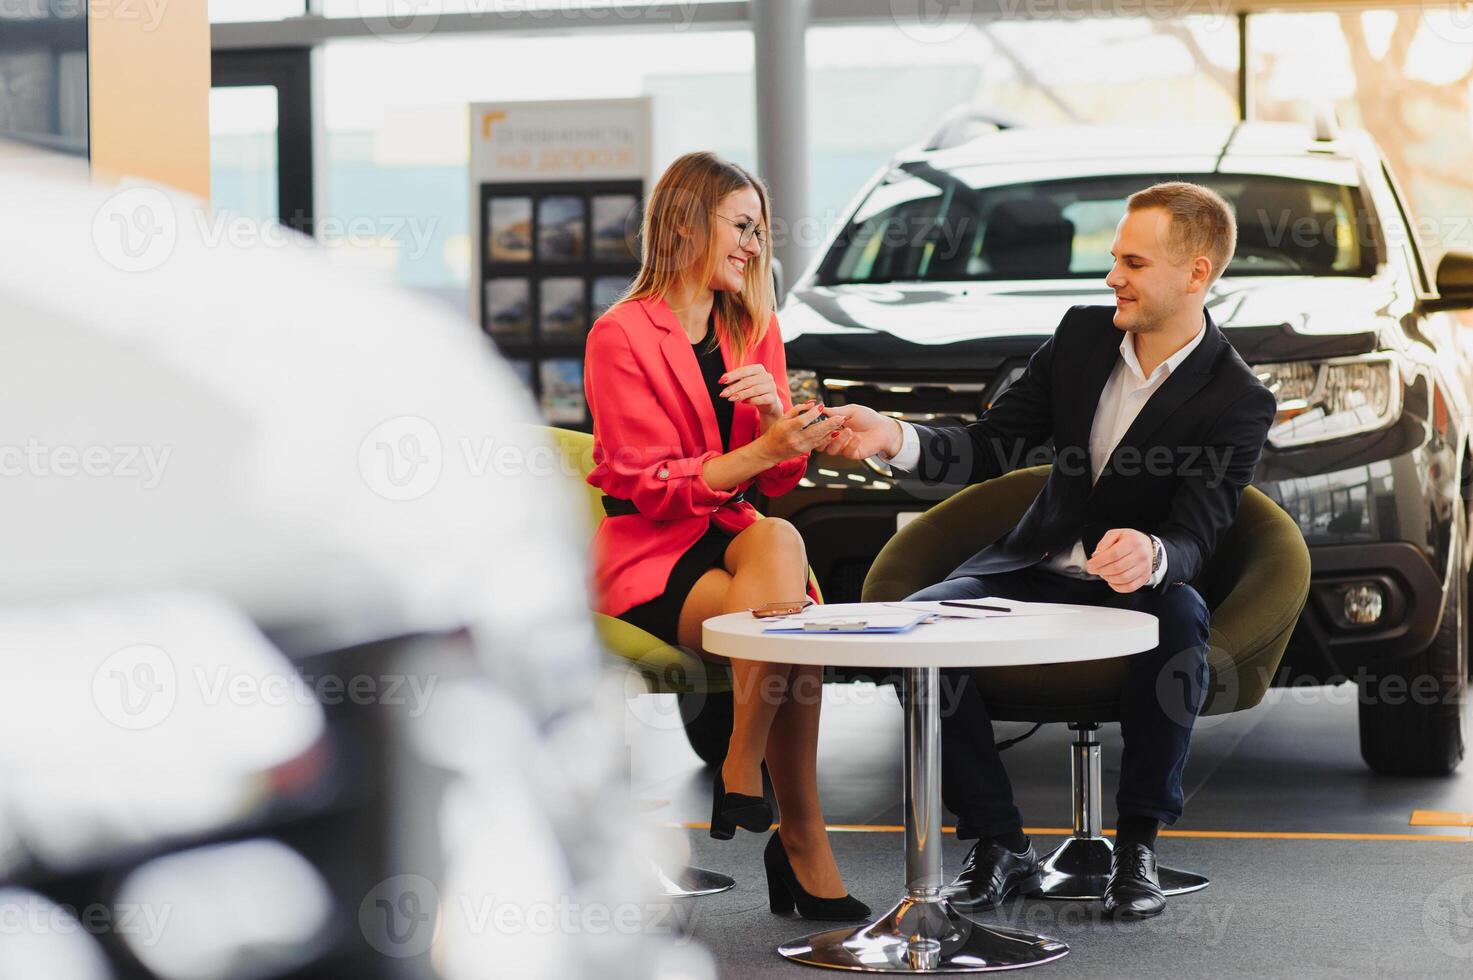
(1255,586)
(667,669)
(663,668)
(702,688)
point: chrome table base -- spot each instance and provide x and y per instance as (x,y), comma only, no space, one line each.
(924,933)
(1080,867)
(923,936)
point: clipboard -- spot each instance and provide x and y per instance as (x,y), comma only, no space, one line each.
(836,625)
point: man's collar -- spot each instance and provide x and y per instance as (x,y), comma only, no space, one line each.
(1127,352)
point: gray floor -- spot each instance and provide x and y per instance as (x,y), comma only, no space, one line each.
(1368,905)
(1274,909)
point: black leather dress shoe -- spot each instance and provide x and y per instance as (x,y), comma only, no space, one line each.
(1133,891)
(991,875)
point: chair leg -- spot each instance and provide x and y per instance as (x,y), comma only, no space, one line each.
(1079,868)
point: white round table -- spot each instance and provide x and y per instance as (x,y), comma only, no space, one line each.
(923,933)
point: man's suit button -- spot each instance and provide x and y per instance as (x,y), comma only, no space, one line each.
(663,473)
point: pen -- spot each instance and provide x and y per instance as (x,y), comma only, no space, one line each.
(976,605)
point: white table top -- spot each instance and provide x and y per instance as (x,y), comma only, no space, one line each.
(1082,633)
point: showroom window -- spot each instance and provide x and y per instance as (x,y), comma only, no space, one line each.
(243,151)
(227,11)
(1406,76)
(875,90)
(396,141)
(395,148)
(497,8)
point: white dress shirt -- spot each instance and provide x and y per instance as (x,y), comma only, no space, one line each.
(1125,394)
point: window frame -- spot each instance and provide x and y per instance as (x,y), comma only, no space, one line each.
(289,71)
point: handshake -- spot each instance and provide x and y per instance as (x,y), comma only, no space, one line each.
(852,431)
(1124,557)
(865,433)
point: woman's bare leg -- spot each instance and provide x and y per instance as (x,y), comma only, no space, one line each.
(765,562)
(757,688)
(792,761)
(775,706)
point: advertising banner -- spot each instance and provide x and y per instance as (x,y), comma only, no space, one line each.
(557,189)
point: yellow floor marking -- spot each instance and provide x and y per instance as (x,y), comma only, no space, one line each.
(1202,834)
(1440,818)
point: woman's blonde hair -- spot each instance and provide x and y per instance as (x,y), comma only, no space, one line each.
(678,245)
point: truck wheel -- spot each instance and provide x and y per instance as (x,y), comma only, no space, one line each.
(707,719)
(1414,726)
(1460,531)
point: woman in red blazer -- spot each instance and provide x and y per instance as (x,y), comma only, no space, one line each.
(687,384)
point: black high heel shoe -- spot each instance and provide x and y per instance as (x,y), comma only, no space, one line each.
(732,810)
(784,892)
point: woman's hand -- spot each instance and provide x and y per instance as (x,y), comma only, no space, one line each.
(753,384)
(791,435)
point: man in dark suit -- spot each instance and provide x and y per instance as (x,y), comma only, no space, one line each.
(1157,425)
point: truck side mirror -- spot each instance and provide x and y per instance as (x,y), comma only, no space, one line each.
(1455,281)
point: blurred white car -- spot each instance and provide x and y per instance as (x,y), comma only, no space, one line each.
(298,673)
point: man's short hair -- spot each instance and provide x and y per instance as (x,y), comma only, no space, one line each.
(1202,223)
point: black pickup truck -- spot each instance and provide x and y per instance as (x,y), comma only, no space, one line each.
(955,263)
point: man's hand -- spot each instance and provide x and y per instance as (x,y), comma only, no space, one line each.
(867,433)
(1122,559)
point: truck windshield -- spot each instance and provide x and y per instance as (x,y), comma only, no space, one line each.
(927,224)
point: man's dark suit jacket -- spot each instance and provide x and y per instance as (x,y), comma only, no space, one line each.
(1177,473)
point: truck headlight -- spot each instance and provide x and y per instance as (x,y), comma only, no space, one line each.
(803,386)
(1323,400)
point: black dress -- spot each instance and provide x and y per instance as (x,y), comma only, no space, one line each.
(661,615)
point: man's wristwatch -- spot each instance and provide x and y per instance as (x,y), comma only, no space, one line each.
(1157,550)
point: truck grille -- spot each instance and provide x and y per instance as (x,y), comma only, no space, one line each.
(917,400)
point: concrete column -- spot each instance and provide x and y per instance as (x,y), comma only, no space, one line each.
(148,83)
(779,28)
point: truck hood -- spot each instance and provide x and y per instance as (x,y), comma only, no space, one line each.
(1265,317)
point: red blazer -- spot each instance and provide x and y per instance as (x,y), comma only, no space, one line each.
(653,429)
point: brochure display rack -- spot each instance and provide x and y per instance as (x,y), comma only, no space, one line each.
(558,189)
(555,256)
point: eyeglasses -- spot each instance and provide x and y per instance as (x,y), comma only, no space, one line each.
(748,229)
